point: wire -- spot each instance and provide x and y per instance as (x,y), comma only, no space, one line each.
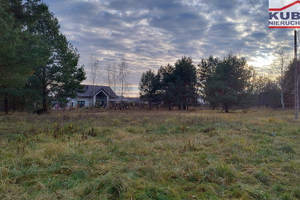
(282,43)
(261,18)
(264,22)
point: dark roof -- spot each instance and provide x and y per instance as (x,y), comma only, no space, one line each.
(120,99)
(90,92)
(135,99)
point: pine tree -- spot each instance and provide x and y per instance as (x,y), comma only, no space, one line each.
(149,86)
(229,84)
(56,75)
(167,86)
(185,82)
(17,53)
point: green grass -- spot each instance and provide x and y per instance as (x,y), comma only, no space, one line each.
(150,155)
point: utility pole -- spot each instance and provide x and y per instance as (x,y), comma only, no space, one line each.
(296,77)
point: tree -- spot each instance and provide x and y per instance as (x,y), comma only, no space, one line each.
(149,86)
(94,73)
(56,75)
(166,85)
(68,78)
(281,53)
(206,68)
(185,82)
(112,76)
(229,84)
(17,53)
(172,85)
(288,82)
(123,74)
(279,70)
(266,92)
(35,53)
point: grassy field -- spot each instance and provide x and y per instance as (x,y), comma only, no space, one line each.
(150,155)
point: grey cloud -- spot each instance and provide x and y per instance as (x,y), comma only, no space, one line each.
(257,35)
(138,4)
(150,33)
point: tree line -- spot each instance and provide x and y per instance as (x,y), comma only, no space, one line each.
(38,66)
(222,83)
(37,63)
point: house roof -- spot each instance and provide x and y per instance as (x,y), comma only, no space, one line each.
(135,99)
(120,99)
(89,91)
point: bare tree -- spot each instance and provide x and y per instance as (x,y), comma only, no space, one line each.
(112,76)
(279,69)
(282,70)
(123,73)
(109,79)
(95,68)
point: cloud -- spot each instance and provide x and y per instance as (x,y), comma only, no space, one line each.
(151,33)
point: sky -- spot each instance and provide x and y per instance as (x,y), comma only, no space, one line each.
(152,33)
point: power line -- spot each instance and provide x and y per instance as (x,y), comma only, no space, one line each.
(261,18)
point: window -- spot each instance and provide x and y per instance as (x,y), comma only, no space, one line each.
(81,103)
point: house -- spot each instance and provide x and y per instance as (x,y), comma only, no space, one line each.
(200,100)
(120,99)
(99,96)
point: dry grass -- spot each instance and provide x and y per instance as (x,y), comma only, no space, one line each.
(150,155)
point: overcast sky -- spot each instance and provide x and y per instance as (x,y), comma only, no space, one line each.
(152,33)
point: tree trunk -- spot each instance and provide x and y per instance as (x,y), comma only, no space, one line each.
(6,104)
(281,99)
(44,91)
(150,105)
(184,103)
(34,105)
(187,104)
(226,109)
(44,103)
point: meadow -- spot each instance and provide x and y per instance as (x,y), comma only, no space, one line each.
(158,155)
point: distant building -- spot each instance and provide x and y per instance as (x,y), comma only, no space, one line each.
(99,96)
(200,100)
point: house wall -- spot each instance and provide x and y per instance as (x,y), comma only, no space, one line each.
(101,96)
(88,102)
(101,99)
